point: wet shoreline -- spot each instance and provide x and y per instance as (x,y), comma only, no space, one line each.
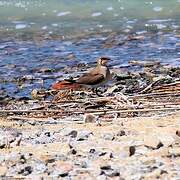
(37,63)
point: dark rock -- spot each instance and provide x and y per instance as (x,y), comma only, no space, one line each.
(106,167)
(121,133)
(92,151)
(73,151)
(26,171)
(108,171)
(178,133)
(3,142)
(69,132)
(159,145)
(102,153)
(22,159)
(132,150)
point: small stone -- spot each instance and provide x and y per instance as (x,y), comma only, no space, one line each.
(9,138)
(73,151)
(92,151)
(108,171)
(132,150)
(105,167)
(71,56)
(82,164)
(166,139)
(44,139)
(69,132)
(124,154)
(178,133)
(121,133)
(89,118)
(108,136)
(112,173)
(63,168)
(27,77)
(152,142)
(84,135)
(26,171)
(174,152)
(45,70)
(47,158)
(3,142)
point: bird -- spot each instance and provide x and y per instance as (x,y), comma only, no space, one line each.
(95,78)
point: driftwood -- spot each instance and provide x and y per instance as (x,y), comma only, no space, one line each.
(175,86)
(162,98)
(158,95)
(37,119)
(89,111)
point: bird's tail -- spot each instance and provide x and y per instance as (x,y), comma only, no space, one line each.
(66,84)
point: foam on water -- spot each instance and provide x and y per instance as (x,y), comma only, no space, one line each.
(96,14)
(63,13)
(157,9)
(20,26)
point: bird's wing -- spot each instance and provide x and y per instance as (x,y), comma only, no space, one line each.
(91,79)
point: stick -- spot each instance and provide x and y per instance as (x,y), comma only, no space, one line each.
(90,111)
(155,94)
(29,118)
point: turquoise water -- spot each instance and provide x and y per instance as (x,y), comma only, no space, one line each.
(88,16)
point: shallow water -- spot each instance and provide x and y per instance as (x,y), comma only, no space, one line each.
(56,59)
(46,40)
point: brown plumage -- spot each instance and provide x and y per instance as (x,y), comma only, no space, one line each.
(94,78)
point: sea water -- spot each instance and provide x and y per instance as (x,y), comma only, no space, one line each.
(87,16)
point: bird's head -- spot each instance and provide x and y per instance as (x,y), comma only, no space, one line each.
(103,61)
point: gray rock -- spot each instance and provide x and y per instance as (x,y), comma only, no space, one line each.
(123,154)
(9,138)
(25,171)
(109,171)
(3,142)
(84,135)
(69,132)
(44,138)
(152,142)
(108,136)
(81,164)
(38,167)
